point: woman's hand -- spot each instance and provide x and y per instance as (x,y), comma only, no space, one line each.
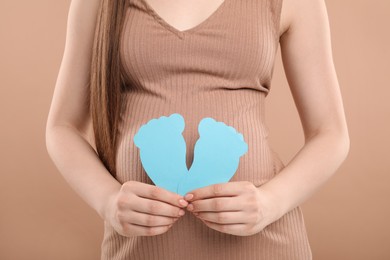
(237,208)
(140,209)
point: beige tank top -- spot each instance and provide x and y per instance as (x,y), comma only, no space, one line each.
(221,68)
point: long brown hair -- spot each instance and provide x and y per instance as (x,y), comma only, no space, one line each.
(106,82)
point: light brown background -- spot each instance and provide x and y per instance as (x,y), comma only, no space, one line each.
(42,218)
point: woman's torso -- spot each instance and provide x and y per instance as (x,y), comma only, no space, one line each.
(220,68)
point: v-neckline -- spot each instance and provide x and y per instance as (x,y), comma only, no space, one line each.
(182,33)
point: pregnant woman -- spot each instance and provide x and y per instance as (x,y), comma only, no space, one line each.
(127,62)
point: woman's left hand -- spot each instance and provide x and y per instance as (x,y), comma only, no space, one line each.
(237,208)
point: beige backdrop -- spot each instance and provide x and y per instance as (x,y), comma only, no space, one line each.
(42,218)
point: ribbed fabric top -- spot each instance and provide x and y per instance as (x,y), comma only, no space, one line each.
(221,68)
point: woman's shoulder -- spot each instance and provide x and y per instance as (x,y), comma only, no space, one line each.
(294,10)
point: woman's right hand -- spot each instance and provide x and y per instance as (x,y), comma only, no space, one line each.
(141,209)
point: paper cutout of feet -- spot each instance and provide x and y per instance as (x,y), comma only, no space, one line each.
(163,153)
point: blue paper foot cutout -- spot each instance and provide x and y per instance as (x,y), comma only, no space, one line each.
(163,153)
(163,150)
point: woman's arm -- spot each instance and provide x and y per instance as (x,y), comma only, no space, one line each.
(308,63)
(69,118)
(132,208)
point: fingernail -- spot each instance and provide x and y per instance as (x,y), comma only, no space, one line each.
(190,207)
(188,196)
(183,202)
(181,212)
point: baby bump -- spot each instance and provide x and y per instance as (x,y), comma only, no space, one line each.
(258,163)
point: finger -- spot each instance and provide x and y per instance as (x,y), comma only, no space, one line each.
(148,219)
(216,190)
(217,204)
(225,217)
(235,229)
(157,193)
(145,231)
(156,207)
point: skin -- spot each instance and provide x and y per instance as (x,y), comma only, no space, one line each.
(240,208)
(184,15)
